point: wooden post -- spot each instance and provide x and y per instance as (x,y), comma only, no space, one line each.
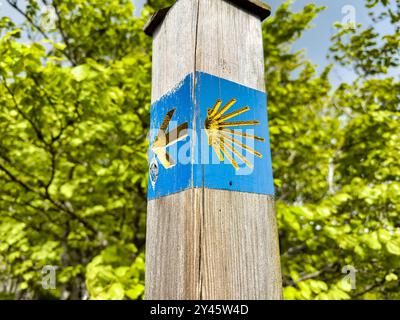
(211,227)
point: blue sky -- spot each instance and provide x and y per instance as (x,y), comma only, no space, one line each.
(315,41)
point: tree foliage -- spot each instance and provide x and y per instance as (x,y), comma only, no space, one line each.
(335,156)
(74,114)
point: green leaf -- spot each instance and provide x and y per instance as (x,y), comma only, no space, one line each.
(116,291)
(289,293)
(372,241)
(384,235)
(393,247)
(136,292)
(391,277)
(67,190)
(81,72)
(23,286)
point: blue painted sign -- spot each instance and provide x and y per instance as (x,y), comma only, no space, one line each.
(211,134)
(169,172)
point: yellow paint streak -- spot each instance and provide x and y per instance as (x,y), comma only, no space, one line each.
(213,111)
(239,133)
(163,140)
(177,134)
(243,146)
(167,119)
(240,156)
(225,108)
(218,152)
(164,158)
(228,156)
(233,114)
(239,123)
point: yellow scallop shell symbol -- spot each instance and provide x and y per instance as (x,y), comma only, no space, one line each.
(222,139)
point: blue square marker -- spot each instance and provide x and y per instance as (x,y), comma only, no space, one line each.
(218,139)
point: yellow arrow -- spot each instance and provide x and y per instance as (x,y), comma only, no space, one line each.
(165,139)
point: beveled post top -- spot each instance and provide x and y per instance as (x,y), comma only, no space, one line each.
(255,7)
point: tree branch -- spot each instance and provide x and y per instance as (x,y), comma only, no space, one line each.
(16,180)
(64,36)
(370,288)
(39,134)
(29,19)
(330,267)
(47,196)
(14,5)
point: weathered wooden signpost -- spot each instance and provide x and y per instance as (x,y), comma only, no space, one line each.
(211,227)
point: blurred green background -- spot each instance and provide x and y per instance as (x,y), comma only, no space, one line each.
(74,116)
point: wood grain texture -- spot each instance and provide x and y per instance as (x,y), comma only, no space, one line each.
(229,44)
(173,246)
(202,243)
(174,46)
(240,255)
(173,222)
